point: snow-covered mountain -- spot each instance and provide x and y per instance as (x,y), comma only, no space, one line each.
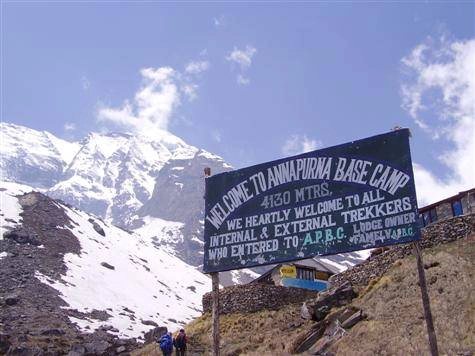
(31,157)
(109,175)
(94,267)
(152,183)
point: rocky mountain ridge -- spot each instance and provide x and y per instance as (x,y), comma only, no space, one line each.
(137,182)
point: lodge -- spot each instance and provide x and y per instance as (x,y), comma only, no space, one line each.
(460,204)
(308,274)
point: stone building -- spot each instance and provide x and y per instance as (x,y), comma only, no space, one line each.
(460,204)
(307,274)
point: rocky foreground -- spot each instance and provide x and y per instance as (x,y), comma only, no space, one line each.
(33,318)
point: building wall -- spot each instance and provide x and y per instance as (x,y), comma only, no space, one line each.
(444,211)
(468,203)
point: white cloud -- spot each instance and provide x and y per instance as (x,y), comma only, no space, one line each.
(190,89)
(162,91)
(85,83)
(69,127)
(297,144)
(196,67)
(216,136)
(218,21)
(243,59)
(241,80)
(439,94)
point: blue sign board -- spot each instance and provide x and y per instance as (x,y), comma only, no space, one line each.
(339,199)
(316,284)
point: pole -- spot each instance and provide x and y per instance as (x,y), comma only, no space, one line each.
(425,300)
(215,299)
(424,294)
(215,316)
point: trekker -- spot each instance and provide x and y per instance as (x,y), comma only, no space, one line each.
(180,343)
(166,344)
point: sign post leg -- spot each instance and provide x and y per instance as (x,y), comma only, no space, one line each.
(425,300)
(215,298)
(215,313)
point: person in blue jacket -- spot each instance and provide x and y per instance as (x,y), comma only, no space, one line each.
(166,344)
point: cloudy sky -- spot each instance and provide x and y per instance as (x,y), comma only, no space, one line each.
(251,82)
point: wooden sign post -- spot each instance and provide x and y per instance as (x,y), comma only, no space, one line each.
(215,314)
(424,293)
(425,300)
(215,299)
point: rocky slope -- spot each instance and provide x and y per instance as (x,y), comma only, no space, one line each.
(374,308)
(70,278)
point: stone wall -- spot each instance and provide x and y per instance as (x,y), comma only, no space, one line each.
(435,234)
(249,298)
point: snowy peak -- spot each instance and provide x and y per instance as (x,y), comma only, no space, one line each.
(36,158)
(111,175)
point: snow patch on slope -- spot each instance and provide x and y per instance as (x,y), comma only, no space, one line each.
(10,208)
(238,275)
(66,150)
(129,278)
(162,233)
(343,261)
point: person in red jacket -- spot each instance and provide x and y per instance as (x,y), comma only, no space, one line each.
(180,343)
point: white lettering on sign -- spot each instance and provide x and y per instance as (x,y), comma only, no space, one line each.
(340,169)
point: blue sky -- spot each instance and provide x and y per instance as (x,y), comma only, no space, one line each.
(251,82)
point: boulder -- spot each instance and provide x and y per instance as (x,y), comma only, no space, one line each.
(149,322)
(22,237)
(154,334)
(305,341)
(326,332)
(120,349)
(53,332)
(332,333)
(77,350)
(97,227)
(97,347)
(317,309)
(106,265)
(353,319)
(4,343)
(12,299)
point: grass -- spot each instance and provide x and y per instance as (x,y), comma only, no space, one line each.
(395,323)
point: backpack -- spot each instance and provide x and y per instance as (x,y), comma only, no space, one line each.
(166,344)
(180,341)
